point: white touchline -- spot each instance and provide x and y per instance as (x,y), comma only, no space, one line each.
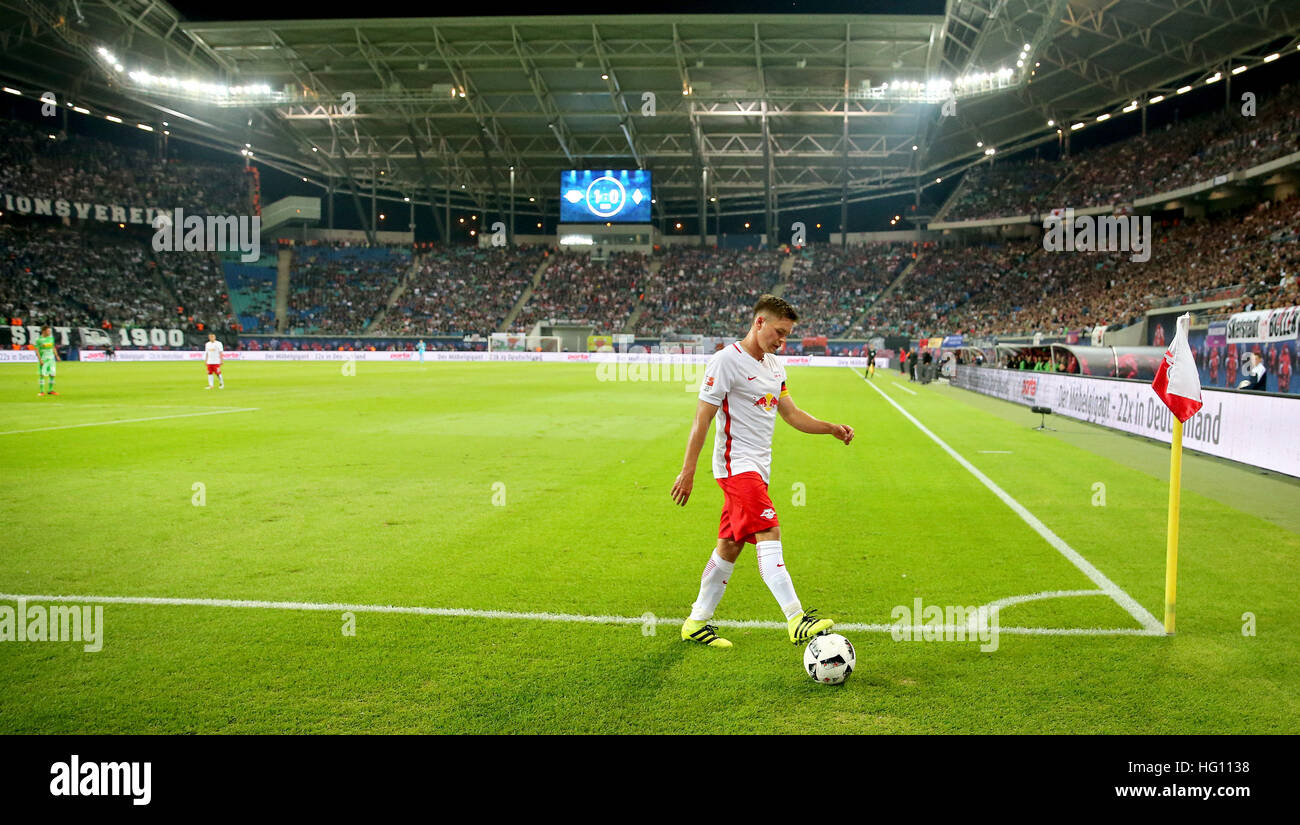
(1137,611)
(576,618)
(131,420)
(901,387)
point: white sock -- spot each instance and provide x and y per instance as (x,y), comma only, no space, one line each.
(221,379)
(771,566)
(209,380)
(712,585)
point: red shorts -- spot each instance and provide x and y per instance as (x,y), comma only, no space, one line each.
(746,509)
(214,369)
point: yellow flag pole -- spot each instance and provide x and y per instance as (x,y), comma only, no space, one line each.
(1171,540)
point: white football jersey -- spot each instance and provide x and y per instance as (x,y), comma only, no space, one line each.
(747,392)
(213,352)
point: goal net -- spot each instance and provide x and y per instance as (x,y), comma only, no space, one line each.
(519,342)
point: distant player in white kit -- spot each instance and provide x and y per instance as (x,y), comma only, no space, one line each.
(743,390)
(213,357)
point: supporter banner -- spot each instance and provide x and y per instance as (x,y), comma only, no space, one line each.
(596,343)
(952,341)
(1250,428)
(438,355)
(81,210)
(1264,326)
(20,336)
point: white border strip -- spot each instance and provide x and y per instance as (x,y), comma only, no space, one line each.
(1137,611)
(436,356)
(131,420)
(575,618)
(901,387)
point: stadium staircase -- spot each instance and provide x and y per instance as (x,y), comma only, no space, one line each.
(894,285)
(787,267)
(524,296)
(164,283)
(952,200)
(283,272)
(396,294)
(630,327)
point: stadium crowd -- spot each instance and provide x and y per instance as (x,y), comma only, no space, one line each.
(832,286)
(706,291)
(576,287)
(461,290)
(1166,159)
(338,288)
(1018,287)
(79,168)
(95,277)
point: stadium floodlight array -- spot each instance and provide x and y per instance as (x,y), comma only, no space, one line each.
(940,89)
(189,88)
(220,94)
(1208,80)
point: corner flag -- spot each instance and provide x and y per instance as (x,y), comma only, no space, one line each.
(1177,382)
(1179,386)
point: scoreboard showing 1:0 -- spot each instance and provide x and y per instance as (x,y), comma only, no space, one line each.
(594,195)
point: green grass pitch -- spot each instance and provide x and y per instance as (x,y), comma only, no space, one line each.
(536,488)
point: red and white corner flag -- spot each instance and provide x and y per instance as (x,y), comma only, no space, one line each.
(1177,382)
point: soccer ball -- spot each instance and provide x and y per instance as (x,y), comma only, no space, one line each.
(829,658)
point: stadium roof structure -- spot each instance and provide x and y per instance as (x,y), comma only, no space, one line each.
(763,113)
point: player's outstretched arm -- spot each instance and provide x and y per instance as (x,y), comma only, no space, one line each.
(704,413)
(805,423)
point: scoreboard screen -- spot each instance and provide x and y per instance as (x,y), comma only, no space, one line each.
(596,196)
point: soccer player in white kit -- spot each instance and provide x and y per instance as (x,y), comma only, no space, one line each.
(743,390)
(212,357)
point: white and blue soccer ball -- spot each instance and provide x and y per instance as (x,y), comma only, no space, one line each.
(829,659)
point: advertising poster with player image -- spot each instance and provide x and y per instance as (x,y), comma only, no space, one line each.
(1223,350)
(1160,327)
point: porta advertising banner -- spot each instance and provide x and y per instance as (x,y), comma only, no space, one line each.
(1246,427)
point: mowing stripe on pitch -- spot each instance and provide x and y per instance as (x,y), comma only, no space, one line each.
(1124,600)
(574,618)
(131,420)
